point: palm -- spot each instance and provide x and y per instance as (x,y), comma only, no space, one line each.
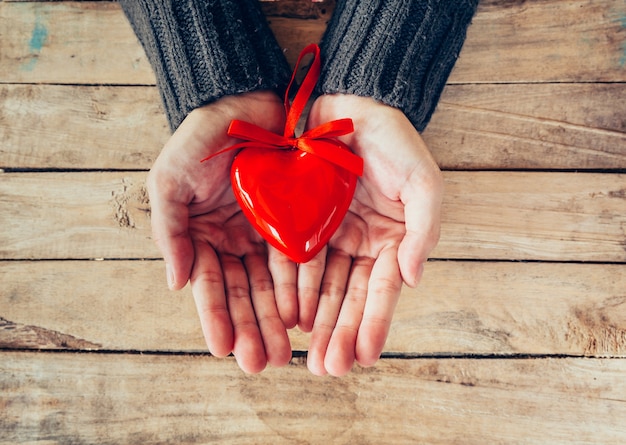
(205,238)
(392,225)
(373,222)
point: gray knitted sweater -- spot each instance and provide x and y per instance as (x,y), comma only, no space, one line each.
(399,52)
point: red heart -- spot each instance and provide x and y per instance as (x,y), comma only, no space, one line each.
(294,199)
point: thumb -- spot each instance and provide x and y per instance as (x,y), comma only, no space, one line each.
(422,212)
(411,258)
(170,230)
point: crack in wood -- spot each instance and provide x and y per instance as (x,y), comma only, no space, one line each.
(20,336)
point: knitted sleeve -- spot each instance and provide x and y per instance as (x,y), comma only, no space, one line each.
(399,52)
(202,50)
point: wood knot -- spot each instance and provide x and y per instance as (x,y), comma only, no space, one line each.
(130,203)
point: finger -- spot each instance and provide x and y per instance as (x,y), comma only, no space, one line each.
(273,332)
(309,282)
(207,287)
(341,351)
(332,293)
(284,275)
(422,210)
(248,346)
(383,294)
(169,219)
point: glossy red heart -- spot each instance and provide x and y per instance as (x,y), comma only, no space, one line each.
(294,199)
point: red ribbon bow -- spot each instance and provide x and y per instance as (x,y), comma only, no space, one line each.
(319,141)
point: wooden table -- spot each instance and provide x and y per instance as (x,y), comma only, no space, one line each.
(516,335)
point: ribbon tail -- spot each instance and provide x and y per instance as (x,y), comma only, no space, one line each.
(225,150)
(251,132)
(241,146)
(254,136)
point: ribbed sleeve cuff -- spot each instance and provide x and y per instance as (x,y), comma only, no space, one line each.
(398,52)
(202,50)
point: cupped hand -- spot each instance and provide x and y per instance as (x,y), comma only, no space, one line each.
(348,293)
(205,238)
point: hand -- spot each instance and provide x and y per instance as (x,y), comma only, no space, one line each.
(348,294)
(205,238)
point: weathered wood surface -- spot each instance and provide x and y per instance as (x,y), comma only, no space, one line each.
(486,215)
(547,41)
(92,43)
(530,126)
(500,308)
(475,127)
(486,350)
(111,127)
(148,399)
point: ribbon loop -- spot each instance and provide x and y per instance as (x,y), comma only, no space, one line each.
(294,111)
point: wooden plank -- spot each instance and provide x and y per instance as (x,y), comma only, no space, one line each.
(459,308)
(92,214)
(80,127)
(486,215)
(541,216)
(530,126)
(474,127)
(547,41)
(70,42)
(147,399)
(93,43)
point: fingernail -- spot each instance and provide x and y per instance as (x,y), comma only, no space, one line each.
(170,276)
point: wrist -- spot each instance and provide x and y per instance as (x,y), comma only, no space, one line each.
(263,108)
(365,112)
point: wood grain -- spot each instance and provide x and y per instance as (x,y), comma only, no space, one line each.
(486,215)
(488,349)
(150,399)
(95,215)
(530,126)
(544,41)
(80,127)
(475,127)
(525,216)
(93,43)
(460,308)
(547,41)
(70,42)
